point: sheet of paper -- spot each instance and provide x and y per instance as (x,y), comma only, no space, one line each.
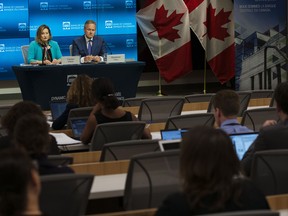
(63,139)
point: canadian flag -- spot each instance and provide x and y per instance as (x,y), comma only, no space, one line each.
(212,22)
(165,27)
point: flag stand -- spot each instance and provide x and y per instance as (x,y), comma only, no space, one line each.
(205,70)
(159,93)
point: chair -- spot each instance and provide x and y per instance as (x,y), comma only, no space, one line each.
(124,150)
(129,102)
(65,194)
(60,160)
(254,118)
(188,121)
(269,171)
(116,131)
(196,98)
(246,213)
(70,49)
(150,178)
(159,109)
(262,94)
(24,50)
(78,112)
(244,98)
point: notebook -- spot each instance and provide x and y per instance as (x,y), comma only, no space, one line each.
(57,108)
(77,126)
(242,142)
(172,134)
(166,145)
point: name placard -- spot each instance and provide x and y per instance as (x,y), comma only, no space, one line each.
(68,60)
(116,58)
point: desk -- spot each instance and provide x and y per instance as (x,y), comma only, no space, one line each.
(42,84)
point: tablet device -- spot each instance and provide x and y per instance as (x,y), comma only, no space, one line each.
(77,126)
(242,142)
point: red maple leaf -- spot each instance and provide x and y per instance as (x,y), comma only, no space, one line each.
(215,22)
(164,24)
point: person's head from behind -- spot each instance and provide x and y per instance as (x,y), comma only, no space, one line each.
(103,93)
(17,111)
(281,98)
(226,105)
(43,35)
(80,91)
(20,184)
(31,133)
(90,28)
(208,164)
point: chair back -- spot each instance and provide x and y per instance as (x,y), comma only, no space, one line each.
(78,112)
(254,118)
(155,110)
(60,160)
(24,50)
(269,171)
(150,178)
(131,102)
(124,150)
(262,94)
(246,213)
(188,121)
(196,98)
(116,131)
(244,98)
(65,194)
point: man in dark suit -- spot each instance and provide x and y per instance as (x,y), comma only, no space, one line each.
(89,47)
(273,135)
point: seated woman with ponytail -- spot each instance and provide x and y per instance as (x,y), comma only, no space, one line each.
(106,109)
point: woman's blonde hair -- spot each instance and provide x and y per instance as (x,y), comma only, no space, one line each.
(80,91)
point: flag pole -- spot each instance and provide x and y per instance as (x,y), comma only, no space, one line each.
(205,75)
(159,93)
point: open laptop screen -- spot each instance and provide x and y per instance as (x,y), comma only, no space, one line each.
(242,142)
(172,134)
(57,108)
(77,126)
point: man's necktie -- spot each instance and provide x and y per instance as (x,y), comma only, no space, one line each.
(90,47)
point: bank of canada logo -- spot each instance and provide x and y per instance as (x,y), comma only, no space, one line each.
(66,25)
(108,24)
(22,26)
(129,42)
(2,47)
(1,7)
(70,79)
(129,3)
(43,5)
(87,5)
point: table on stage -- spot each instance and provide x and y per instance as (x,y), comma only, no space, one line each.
(42,84)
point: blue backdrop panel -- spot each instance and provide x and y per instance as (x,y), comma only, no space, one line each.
(10,54)
(14,19)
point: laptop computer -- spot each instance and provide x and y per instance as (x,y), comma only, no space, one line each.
(166,145)
(242,142)
(172,134)
(57,108)
(77,126)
